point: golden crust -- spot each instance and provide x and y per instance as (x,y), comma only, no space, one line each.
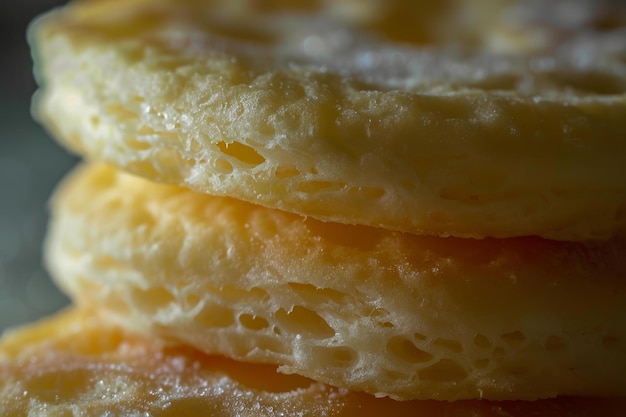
(78,364)
(301,116)
(364,308)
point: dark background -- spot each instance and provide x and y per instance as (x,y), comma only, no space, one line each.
(30,166)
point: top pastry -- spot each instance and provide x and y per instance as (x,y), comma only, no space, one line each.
(447,119)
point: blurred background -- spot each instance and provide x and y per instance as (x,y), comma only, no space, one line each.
(30,166)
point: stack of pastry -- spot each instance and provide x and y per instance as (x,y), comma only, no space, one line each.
(331,208)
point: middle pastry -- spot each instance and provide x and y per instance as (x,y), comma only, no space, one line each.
(364,308)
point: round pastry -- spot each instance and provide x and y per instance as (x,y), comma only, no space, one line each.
(78,364)
(357,307)
(305,113)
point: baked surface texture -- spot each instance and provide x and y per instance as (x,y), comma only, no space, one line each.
(76,364)
(294,111)
(358,307)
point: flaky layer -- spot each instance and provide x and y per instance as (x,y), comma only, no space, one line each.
(301,114)
(357,307)
(77,364)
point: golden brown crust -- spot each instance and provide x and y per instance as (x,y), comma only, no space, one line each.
(364,308)
(303,117)
(78,364)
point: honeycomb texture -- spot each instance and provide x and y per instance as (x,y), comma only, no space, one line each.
(76,364)
(362,308)
(305,113)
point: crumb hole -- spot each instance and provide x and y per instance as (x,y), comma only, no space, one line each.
(213,315)
(499,353)
(315,295)
(108,263)
(151,300)
(452,345)
(120,112)
(192,300)
(223,166)
(234,294)
(286,172)
(515,338)
(404,349)
(241,152)
(482,341)
(312,187)
(143,168)
(337,357)
(140,217)
(117,303)
(369,193)
(137,145)
(168,159)
(253,322)
(148,131)
(381,315)
(389,375)
(301,320)
(194,147)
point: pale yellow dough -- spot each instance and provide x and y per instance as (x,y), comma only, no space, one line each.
(363,308)
(76,364)
(298,110)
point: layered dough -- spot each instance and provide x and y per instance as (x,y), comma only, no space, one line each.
(303,112)
(357,307)
(79,364)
